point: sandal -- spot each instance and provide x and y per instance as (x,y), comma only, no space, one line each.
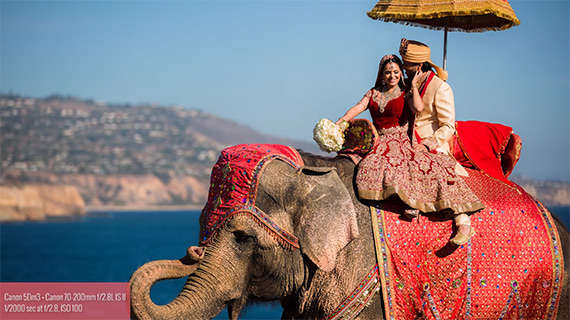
(460,238)
(412,213)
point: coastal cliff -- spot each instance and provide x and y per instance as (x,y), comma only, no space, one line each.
(550,193)
(115,156)
(52,195)
(62,156)
(109,191)
(39,201)
(43,195)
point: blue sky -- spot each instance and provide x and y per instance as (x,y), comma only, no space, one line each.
(280,66)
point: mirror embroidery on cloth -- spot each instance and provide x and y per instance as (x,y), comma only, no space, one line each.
(233,188)
(421,274)
(359,298)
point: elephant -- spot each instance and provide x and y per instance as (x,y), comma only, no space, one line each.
(316,203)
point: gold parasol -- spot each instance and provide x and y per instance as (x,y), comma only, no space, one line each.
(449,15)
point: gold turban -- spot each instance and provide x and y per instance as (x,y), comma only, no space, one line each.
(417,52)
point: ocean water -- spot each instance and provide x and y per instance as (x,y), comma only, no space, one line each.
(105,247)
(109,247)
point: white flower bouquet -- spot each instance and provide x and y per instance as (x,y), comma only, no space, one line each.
(328,135)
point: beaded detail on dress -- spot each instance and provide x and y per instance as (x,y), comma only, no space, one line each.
(382,97)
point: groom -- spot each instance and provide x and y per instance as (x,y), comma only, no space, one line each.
(435,125)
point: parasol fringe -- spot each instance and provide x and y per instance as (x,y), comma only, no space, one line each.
(416,24)
(414,18)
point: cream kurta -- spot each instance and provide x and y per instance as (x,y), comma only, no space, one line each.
(436,123)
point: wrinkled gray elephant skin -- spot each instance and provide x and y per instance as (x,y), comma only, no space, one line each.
(318,205)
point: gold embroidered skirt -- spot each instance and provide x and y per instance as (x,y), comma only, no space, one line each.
(424,181)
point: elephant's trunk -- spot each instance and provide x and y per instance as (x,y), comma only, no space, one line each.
(142,307)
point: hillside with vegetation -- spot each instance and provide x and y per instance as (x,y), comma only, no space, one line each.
(124,156)
(129,156)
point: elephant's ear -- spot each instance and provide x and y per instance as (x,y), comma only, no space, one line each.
(327,219)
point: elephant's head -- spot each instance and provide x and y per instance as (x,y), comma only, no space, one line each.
(305,217)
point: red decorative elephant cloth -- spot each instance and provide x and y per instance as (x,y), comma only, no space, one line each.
(512,268)
(491,147)
(233,188)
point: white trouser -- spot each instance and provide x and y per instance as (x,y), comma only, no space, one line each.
(462,218)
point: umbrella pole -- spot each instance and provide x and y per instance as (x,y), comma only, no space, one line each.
(445,49)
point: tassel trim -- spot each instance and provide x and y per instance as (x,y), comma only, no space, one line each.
(433,16)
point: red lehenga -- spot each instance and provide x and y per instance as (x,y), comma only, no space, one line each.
(424,181)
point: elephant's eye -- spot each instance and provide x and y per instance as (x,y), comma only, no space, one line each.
(242,237)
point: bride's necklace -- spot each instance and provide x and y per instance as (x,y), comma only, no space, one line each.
(385,96)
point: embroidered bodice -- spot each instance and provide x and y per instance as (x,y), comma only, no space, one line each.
(395,113)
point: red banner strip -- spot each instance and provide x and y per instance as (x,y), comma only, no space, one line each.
(64,300)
